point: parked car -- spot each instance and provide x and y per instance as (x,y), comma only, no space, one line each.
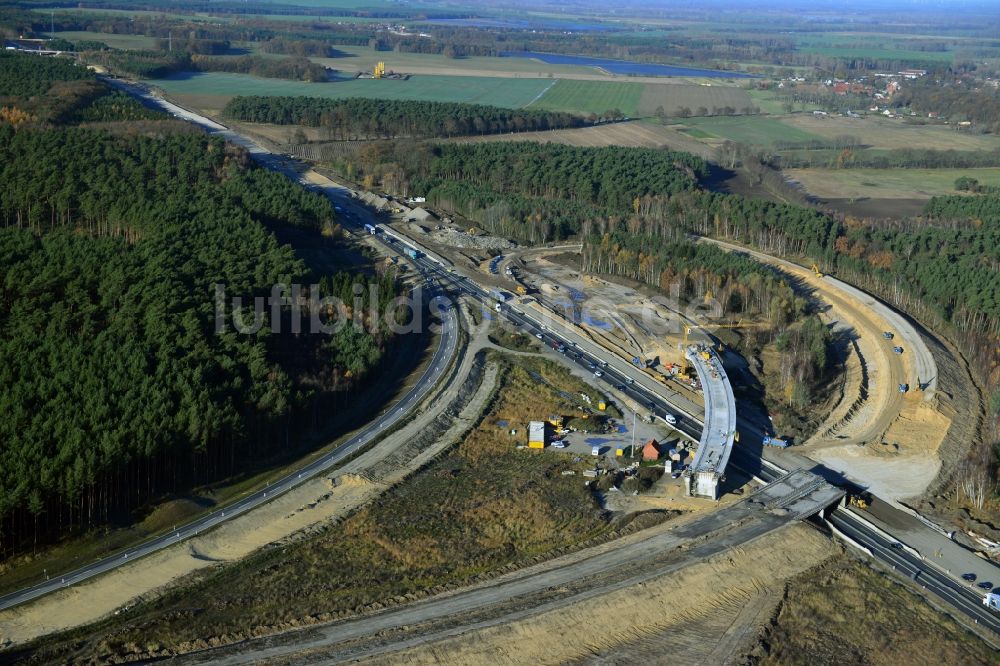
(559,444)
(985,585)
(969,577)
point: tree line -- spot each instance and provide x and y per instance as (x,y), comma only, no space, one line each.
(23,75)
(151,64)
(366,118)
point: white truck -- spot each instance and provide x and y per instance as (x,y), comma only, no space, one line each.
(992,600)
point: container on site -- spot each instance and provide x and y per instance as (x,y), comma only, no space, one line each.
(536,435)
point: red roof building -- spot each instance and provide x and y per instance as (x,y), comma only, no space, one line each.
(651,451)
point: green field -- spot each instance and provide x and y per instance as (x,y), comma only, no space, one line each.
(754,130)
(887,183)
(362,58)
(592,97)
(766,101)
(848,51)
(504,92)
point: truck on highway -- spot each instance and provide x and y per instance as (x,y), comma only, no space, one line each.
(774,441)
(413,254)
(372,229)
(992,600)
(499,296)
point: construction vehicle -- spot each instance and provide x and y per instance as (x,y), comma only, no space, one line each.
(816,271)
(774,441)
(379,71)
(903,388)
(522,290)
(857,500)
(556,421)
(888,335)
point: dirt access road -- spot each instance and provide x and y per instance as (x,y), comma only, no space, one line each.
(875,435)
(635,560)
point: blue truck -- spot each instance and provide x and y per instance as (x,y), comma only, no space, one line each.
(371,228)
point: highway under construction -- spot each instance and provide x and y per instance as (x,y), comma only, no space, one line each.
(791,487)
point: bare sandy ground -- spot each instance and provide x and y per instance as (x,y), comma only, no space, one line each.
(710,612)
(851,440)
(309,505)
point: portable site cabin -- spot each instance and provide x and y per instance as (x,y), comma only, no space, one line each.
(536,435)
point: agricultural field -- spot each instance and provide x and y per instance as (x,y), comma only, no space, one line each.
(211,90)
(888,133)
(754,130)
(766,101)
(886,183)
(635,133)
(114,41)
(363,59)
(674,96)
(592,97)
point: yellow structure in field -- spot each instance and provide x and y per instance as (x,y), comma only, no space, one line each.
(379,70)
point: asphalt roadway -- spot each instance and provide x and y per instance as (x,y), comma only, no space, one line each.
(585,353)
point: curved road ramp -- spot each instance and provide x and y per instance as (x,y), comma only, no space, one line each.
(702,478)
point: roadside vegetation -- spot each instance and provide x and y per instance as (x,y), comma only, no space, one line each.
(479,508)
(845,612)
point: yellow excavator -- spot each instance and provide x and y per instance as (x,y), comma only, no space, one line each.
(817,271)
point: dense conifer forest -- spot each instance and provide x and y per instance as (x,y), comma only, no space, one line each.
(117,386)
(364,118)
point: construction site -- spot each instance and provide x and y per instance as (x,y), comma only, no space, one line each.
(576,446)
(379,72)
